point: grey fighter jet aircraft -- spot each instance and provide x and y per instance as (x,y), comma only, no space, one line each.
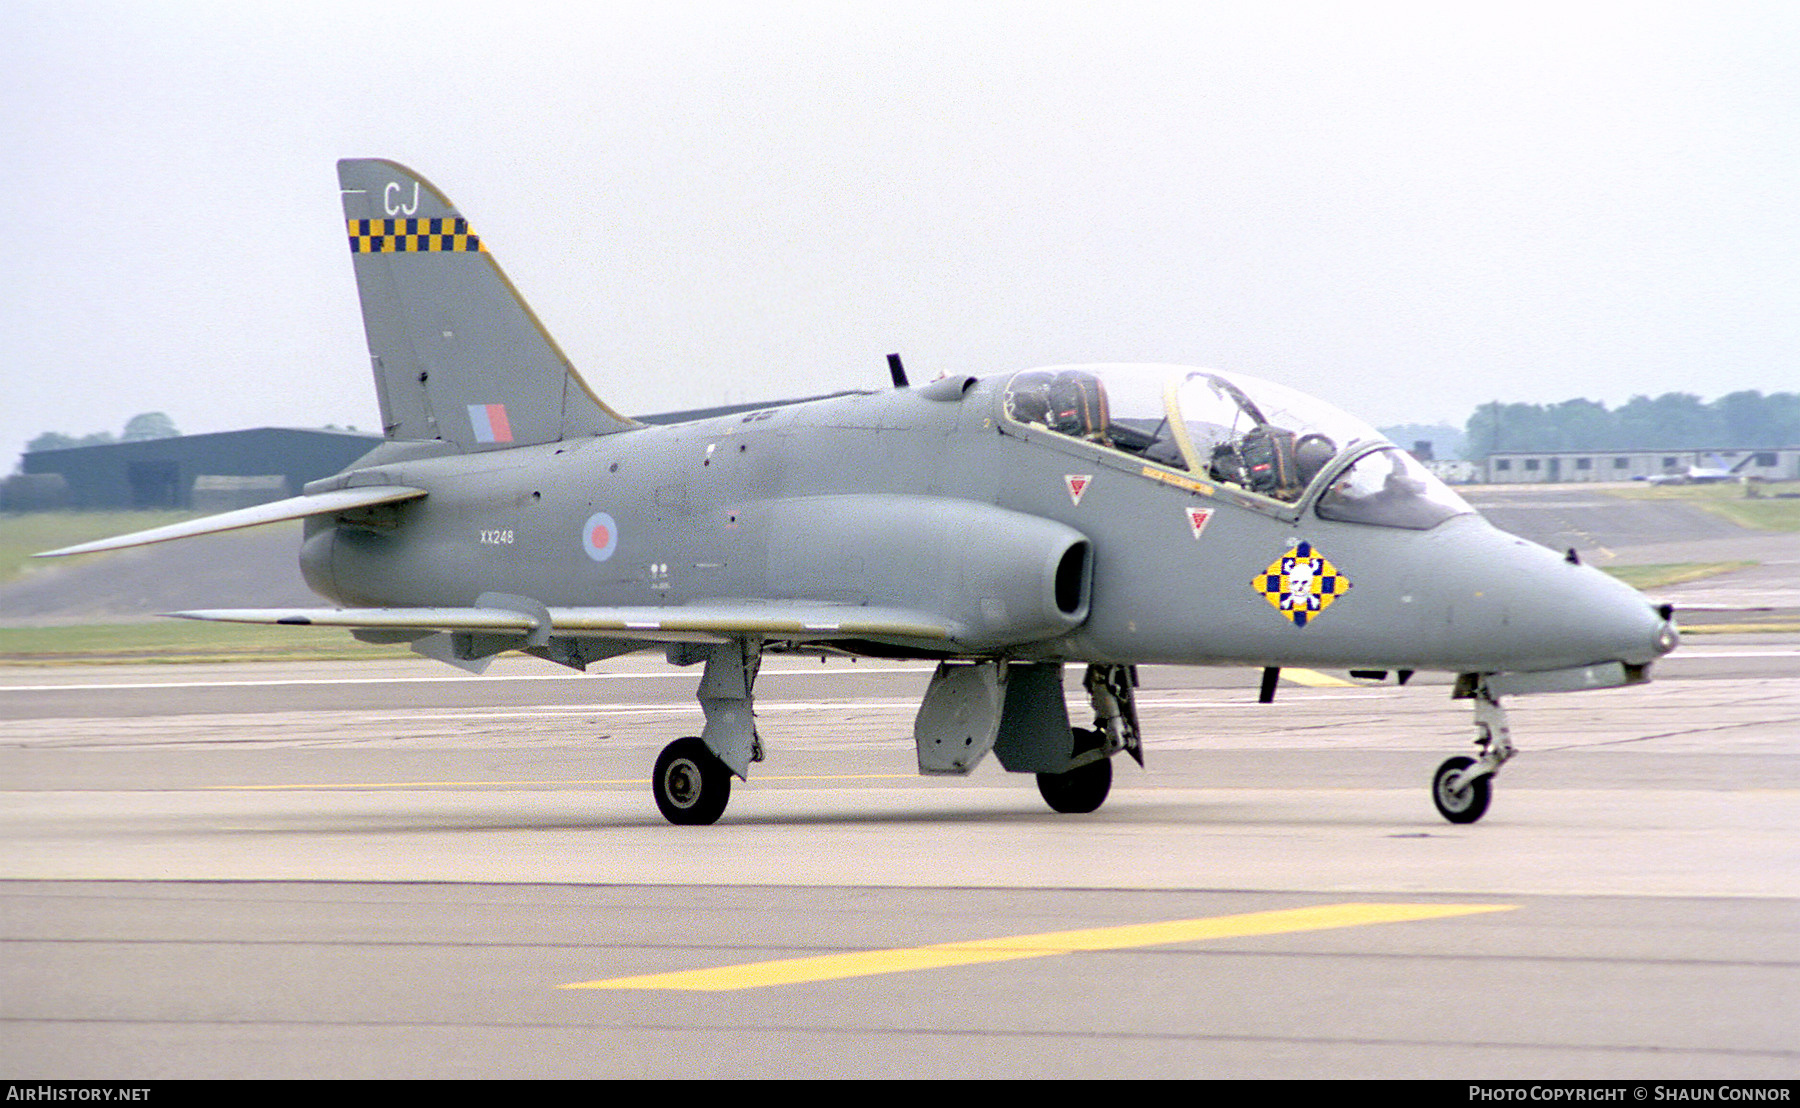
(1108,516)
(1713,472)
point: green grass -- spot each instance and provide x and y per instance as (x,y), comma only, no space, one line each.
(1759,515)
(181,640)
(160,640)
(1768,511)
(1674,573)
(23,534)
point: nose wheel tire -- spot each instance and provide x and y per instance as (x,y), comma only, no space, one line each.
(691,785)
(1082,789)
(1465,805)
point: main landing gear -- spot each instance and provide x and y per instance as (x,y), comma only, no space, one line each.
(692,782)
(1017,710)
(691,785)
(1462,787)
(1084,788)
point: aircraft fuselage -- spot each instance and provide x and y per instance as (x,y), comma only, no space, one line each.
(1113,515)
(1042,547)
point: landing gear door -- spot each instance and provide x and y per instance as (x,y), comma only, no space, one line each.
(1016,710)
(1034,729)
(959,718)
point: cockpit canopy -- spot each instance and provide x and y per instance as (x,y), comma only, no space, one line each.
(1236,431)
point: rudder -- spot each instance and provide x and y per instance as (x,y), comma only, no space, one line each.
(456,352)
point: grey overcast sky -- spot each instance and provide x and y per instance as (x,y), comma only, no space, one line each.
(1407,209)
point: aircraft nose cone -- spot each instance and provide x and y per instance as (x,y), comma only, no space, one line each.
(1621,625)
(1667,637)
(1536,609)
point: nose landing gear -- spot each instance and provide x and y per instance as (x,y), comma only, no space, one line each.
(1460,798)
(1462,787)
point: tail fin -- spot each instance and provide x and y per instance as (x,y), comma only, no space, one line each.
(457,353)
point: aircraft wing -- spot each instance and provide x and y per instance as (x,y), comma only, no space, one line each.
(294,507)
(708,622)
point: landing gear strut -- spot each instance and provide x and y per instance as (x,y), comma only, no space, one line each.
(1462,787)
(692,783)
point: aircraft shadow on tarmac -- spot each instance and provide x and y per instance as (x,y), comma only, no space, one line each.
(1289,810)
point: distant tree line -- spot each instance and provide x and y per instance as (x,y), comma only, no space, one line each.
(147,425)
(1672,421)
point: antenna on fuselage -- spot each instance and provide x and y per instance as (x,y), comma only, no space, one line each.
(896,371)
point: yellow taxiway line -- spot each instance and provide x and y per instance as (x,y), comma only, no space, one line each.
(1313,679)
(832,967)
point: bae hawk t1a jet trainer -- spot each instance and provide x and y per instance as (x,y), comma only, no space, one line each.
(1108,516)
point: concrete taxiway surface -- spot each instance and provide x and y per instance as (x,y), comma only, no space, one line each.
(387,869)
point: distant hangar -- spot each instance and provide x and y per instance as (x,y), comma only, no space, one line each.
(1559,466)
(219,471)
(210,472)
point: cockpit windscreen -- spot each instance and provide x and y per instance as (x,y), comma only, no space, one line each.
(1390,489)
(1224,428)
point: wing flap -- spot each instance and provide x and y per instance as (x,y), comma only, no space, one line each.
(419,619)
(773,621)
(714,622)
(277,511)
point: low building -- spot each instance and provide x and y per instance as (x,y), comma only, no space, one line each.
(219,471)
(1560,466)
(263,464)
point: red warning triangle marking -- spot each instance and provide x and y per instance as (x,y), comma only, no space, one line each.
(1197,518)
(1078,484)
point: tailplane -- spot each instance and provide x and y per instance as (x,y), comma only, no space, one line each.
(457,353)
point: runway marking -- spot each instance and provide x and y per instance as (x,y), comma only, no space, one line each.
(528,784)
(1147,699)
(682,707)
(833,967)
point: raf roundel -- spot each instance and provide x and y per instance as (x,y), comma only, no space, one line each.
(600,536)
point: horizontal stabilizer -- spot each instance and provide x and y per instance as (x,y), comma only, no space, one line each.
(295,507)
(714,622)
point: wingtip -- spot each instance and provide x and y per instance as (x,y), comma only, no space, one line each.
(94,547)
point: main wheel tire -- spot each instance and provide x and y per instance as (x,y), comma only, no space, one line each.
(1464,806)
(691,785)
(1082,789)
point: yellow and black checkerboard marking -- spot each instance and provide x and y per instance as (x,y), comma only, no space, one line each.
(1300,583)
(413,236)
